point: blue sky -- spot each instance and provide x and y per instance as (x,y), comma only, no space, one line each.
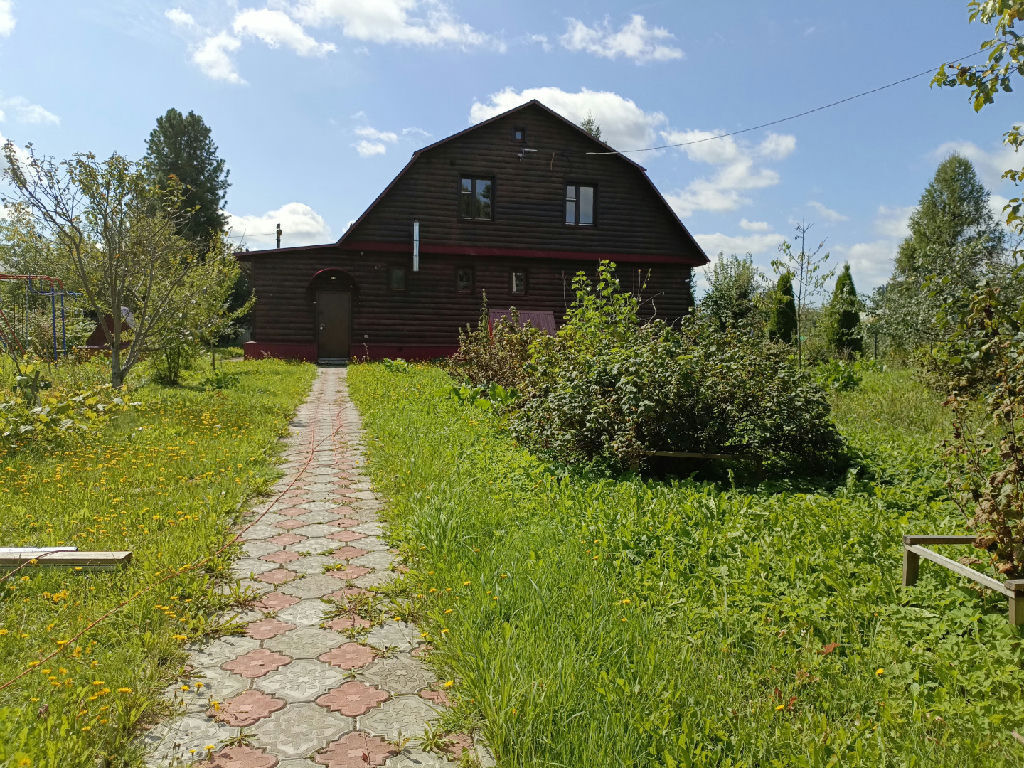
(317,104)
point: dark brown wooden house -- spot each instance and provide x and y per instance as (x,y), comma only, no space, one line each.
(512,207)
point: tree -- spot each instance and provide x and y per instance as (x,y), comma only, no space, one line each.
(954,242)
(590,125)
(808,272)
(108,225)
(734,287)
(842,325)
(180,147)
(782,311)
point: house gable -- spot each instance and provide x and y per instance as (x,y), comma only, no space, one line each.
(530,154)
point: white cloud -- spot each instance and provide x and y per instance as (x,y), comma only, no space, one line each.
(406,22)
(178,18)
(6,18)
(25,111)
(372,133)
(893,223)
(756,244)
(370,148)
(738,169)
(541,40)
(300,224)
(989,164)
(275,28)
(827,213)
(635,40)
(212,57)
(414,131)
(623,124)
(754,226)
(870,262)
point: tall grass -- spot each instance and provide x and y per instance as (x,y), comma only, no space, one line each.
(592,622)
(165,479)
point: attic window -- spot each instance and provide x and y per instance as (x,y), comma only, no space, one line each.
(464,279)
(476,198)
(519,134)
(579,205)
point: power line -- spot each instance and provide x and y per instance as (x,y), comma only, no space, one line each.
(806,112)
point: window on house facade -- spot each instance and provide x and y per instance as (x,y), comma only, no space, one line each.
(396,278)
(519,134)
(464,279)
(579,204)
(518,282)
(476,198)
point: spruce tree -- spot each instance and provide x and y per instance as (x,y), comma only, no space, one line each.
(782,318)
(842,328)
(181,146)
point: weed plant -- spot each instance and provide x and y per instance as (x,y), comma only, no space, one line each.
(595,622)
(165,479)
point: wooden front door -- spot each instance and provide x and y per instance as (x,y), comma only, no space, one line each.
(334,324)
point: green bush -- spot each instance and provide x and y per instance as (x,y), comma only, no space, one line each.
(493,354)
(608,391)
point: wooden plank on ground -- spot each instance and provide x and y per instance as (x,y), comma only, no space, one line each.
(64,558)
(960,568)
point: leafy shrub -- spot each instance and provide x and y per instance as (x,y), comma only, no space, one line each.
(609,390)
(837,376)
(176,357)
(57,414)
(494,354)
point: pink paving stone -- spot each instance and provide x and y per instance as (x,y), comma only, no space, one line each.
(346,535)
(289,524)
(346,594)
(239,757)
(264,629)
(356,750)
(277,576)
(247,708)
(349,656)
(293,511)
(349,621)
(275,601)
(438,697)
(345,522)
(421,650)
(256,663)
(284,539)
(281,556)
(349,572)
(353,698)
(402,568)
(457,743)
(347,553)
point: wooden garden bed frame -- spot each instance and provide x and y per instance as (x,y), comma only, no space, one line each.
(67,557)
(914,550)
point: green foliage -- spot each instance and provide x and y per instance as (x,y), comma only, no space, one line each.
(591,622)
(493,354)
(590,125)
(837,376)
(954,243)
(808,275)
(176,357)
(608,390)
(180,150)
(842,317)
(782,311)
(45,421)
(735,286)
(165,479)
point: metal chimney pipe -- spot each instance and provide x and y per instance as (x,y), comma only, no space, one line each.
(415,246)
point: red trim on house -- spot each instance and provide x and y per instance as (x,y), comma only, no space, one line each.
(256,350)
(522,253)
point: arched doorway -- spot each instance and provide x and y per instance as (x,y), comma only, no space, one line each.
(332,292)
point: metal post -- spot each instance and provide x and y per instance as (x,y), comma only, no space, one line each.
(63,327)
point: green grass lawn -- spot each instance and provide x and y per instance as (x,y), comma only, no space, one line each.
(590,622)
(165,479)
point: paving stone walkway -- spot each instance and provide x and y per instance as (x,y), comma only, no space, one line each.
(322,676)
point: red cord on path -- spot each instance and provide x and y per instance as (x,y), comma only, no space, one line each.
(313,447)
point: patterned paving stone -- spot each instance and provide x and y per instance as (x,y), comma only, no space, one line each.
(304,613)
(311,586)
(289,524)
(278,576)
(302,680)
(374,579)
(258,547)
(370,529)
(356,750)
(349,656)
(399,674)
(414,758)
(293,511)
(404,717)
(316,546)
(251,565)
(320,516)
(305,642)
(209,684)
(374,544)
(348,552)
(216,652)
(275,601)
(247,708)
(349,572)
(345,595)
(380,561)
(348,621)
(257,532)
(284,539)
(256,663)
(239,757)
(457,743)
(346,535)
(312,565)
(280,556)
(345,522)
(184,738)
(435,696)
(316,529)
(299,729)
(267,628)
(352,698)
(394,634)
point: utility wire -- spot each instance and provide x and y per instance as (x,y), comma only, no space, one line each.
(806,112)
